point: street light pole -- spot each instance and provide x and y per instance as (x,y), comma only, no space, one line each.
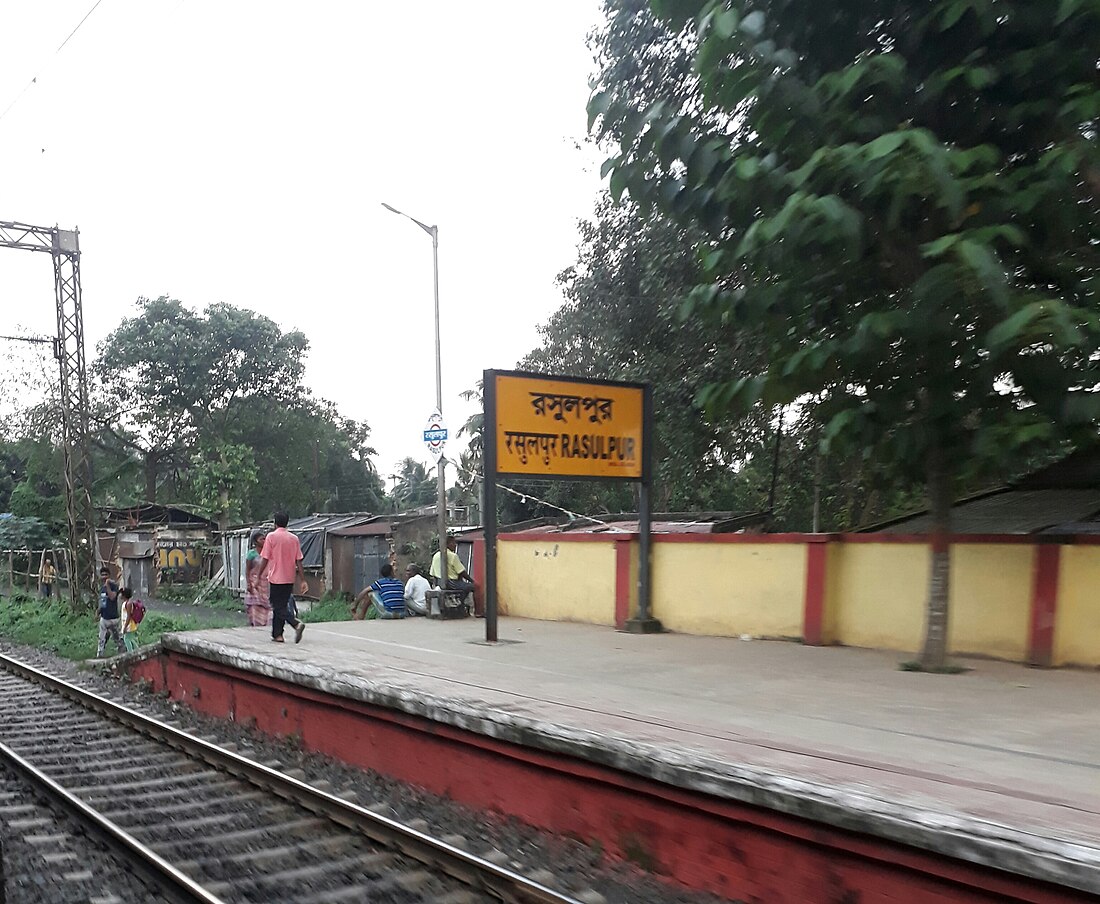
(441,499)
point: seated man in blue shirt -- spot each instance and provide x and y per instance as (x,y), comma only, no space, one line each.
(388,594)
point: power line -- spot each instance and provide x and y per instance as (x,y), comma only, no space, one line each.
(60,46)
(78,24)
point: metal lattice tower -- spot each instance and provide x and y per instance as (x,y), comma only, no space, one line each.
(64,247)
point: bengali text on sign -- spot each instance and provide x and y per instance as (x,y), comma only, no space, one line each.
(567,428)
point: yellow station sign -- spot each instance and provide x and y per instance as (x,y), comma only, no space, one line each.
(552,426)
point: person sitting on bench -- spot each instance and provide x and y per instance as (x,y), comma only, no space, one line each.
(458,579)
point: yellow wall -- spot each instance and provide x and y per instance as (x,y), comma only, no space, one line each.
(1077,615)
(557,581)
(877,593)
(990,599)
(874,594)
(730,588)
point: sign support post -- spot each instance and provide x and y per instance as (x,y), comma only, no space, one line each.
(644,622)
(489,516)
(565,428)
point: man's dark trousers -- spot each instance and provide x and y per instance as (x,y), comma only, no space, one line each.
(280,596)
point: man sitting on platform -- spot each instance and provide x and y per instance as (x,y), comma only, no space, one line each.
(387,595)
(416,586)
(458,579)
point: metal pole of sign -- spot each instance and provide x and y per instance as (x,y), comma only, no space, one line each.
(489,466)
(644,622)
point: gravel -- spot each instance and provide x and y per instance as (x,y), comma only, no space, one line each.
(562,863)
(48,858)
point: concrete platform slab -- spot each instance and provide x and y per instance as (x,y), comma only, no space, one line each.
(999,766)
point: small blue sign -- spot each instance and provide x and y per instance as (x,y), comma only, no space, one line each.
(438,435)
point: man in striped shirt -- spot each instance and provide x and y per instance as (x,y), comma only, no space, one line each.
(388,594)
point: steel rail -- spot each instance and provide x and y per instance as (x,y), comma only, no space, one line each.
(168,881)
(486,877)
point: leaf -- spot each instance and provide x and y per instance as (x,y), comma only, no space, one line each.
(955,12)
(940,245)
(884,144)
(726,22)
(598,105)
(979,77)
(985,265)
(619,180)
(753,24)
(1010,332)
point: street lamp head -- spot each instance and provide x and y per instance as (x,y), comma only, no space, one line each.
(433,231)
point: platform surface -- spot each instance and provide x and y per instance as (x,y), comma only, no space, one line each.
(1000,765)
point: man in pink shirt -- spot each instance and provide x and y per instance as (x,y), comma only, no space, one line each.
(281,559)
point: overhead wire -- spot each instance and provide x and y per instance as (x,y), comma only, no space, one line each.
(60,47)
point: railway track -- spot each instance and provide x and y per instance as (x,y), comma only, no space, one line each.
(199,823)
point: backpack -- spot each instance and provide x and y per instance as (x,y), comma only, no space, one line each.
(137,611)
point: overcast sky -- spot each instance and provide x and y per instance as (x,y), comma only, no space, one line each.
(240,152)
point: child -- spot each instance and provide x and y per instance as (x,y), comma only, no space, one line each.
(108,612)
(129,626)
(47,576)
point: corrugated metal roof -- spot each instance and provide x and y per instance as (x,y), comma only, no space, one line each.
(328,522)
(371,529)
(149,513)
(625,526)
(1010,512)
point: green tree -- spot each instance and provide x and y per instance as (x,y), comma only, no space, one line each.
(181,380)
(213,407)
(416,486)
(901,197)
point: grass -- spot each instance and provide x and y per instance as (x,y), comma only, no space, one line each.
(219,598)
(53,625)
(332,607)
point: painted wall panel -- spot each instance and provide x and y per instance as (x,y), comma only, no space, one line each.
(557,581)
(730,588)
(1077,617)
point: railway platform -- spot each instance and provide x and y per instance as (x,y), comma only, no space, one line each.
(760,771)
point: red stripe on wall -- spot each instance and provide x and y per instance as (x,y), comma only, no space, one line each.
(813,615)
(1044,601)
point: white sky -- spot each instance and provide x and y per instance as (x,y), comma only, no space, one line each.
(240,151)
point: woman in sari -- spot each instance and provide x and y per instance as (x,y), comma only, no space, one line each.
(257,598)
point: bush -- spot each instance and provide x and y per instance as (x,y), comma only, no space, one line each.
(74,634)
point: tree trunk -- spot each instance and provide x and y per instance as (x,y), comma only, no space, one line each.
(934,654)
(152,462)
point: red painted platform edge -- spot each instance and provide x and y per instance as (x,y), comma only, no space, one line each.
(706,843)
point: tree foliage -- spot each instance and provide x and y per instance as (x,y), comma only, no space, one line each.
(900,197)
(214,406)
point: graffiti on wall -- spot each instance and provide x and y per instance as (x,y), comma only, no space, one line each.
(184,560)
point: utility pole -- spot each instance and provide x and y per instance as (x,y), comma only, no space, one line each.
(441,479)
(63,245)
